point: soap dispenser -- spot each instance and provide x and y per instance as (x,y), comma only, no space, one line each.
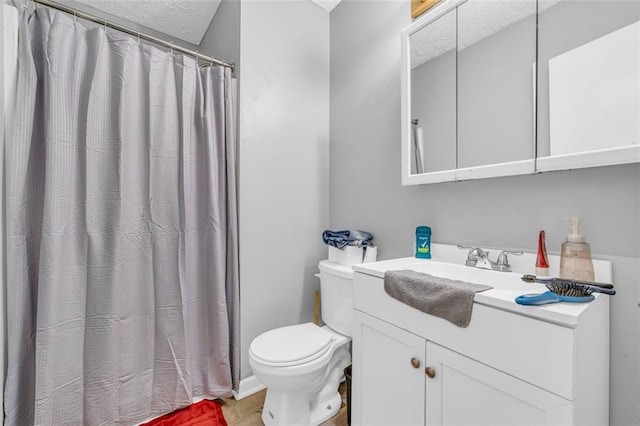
(575,255)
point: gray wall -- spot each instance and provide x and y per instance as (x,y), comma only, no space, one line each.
(222,39)
(499,213)
(281,49)
(283,171)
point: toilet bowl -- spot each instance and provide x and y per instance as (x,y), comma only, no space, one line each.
(302,365)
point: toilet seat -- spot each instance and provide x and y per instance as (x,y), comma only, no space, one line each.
(292,345)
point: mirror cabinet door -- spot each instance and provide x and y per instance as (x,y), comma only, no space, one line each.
(506,87)
(433,96)
(589,83)
(496,81)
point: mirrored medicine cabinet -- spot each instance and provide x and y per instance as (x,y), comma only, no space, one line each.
(505,87)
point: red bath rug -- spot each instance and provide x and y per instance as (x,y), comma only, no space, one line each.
(203,413)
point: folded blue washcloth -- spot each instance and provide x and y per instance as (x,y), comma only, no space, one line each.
(347,237)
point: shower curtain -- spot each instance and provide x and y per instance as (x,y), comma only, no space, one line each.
(8,52)
(122,230)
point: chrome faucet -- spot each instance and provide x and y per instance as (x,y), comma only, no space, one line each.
(479,258)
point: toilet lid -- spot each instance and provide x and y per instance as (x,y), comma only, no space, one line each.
(302,343)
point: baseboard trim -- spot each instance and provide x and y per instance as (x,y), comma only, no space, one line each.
(248,386)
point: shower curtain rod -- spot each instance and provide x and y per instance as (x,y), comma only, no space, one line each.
(138,34)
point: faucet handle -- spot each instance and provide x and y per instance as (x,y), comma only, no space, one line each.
(502,264)
(471,258)
(474,254)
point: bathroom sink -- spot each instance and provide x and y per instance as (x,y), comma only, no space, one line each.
(506,285)
(448,262)
(496,279)
(509,281)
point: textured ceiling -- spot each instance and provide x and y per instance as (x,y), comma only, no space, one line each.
(186,20)
(476,20)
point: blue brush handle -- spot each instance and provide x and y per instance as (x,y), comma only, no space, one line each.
(538,299)
(549,297)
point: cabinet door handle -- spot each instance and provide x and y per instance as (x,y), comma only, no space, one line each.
(430,372)
(415,362)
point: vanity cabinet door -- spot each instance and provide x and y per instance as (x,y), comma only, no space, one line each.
(388,374)
(461,391)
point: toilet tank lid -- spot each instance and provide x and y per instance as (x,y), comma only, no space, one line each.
(292,343)
(333,268)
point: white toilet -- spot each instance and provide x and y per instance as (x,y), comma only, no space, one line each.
(302,365)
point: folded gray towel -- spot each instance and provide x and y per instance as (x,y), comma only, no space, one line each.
(448,299)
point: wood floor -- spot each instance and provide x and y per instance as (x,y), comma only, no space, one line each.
(247,411)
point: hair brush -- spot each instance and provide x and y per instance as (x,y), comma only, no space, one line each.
(564,285)
(562,290)
(551,297)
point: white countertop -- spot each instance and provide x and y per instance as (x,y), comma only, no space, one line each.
(507,285)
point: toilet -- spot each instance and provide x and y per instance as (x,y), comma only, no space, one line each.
(302,365)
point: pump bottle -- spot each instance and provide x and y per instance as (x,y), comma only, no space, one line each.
(575,255)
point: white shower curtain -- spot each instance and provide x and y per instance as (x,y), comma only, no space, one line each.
(8,54)
(122,234)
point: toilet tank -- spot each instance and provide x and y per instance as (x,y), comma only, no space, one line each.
(336,296)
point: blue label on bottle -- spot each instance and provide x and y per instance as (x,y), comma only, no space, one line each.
(423,246)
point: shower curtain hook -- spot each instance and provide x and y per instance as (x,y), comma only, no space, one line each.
(138,32)
(75,16)
(172,47)
(105,25)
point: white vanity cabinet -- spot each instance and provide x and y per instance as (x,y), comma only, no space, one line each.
(513,365)
(389,390)
(463,391)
